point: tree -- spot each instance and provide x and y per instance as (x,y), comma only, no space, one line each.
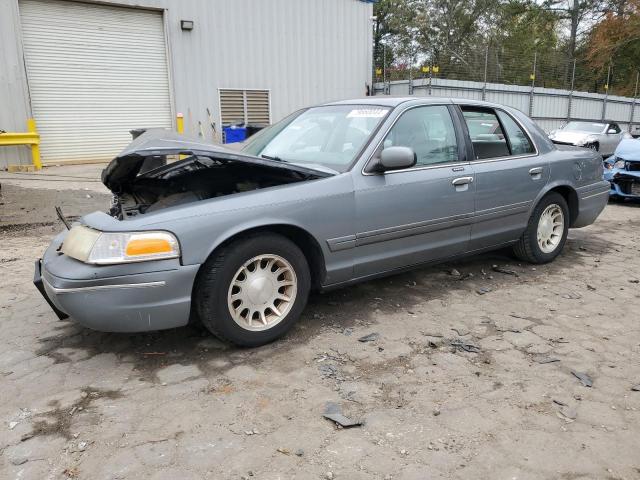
(615,42)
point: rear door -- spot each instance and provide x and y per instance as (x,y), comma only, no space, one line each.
(411,216)
(509,175)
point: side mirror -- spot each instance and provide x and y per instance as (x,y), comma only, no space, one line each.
(396,158)
(611,131)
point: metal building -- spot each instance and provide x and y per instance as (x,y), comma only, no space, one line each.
(89,72)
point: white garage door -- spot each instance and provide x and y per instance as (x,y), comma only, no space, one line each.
(95,72)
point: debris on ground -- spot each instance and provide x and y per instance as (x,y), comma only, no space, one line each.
(369,338)
(483,290)
(12,425)
(284,451)
(464,346)
(462,332)
(327,370)
(299,452)
(567,413)
(591,287)
(333,412)
(636,388)
(454,272)
(583,377)
(572,296)
(543,360)
(504,271)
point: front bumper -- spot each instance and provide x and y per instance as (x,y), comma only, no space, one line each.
(120,298)
(624,185)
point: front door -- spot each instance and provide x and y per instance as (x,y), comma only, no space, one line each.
(610,140)
(509,176)
(419,214)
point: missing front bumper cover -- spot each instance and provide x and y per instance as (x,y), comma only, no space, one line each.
(37,281)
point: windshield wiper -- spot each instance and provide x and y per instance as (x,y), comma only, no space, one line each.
(277,159)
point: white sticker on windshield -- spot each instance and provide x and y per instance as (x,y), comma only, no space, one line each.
(367,113)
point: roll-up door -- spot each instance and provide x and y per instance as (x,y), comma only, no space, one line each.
(94,73)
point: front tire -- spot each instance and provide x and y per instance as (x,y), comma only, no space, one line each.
(253,290)
(546,232)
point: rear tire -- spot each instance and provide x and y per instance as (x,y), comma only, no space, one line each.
(546,232)
(253,290)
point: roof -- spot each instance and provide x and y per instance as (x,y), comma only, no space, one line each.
(388,101)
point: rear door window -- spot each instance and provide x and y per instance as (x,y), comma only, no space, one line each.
(495,134)
(486,134)
(518,140)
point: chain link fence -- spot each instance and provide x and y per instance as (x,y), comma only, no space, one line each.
(550,89)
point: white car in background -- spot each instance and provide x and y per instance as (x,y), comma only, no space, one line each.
(603,137)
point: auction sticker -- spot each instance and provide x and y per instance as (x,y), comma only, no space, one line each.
(367,113)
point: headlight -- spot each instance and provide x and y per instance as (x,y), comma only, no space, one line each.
(619,164)
(105,248)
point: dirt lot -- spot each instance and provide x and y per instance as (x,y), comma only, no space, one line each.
(470,376)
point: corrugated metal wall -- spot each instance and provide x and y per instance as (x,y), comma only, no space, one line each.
(548,106)
(303,51)
(14,97)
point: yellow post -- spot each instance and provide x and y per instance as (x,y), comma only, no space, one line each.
(180,123)
(35,147)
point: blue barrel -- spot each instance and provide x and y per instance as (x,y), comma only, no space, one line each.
(234,134)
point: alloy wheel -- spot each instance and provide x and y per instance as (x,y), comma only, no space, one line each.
(262,292)
(550,228)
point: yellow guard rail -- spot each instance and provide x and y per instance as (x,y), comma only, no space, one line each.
(31,138)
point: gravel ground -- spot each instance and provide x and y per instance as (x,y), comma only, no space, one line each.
(468,375)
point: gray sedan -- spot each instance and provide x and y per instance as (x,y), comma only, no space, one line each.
(331,195)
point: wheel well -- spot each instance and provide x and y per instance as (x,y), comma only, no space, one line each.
(303,239)
(571,197)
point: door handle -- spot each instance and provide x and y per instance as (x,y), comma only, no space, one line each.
(536,171)
(462,181)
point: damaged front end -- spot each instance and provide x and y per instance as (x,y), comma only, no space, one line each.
(622,170)
(161,169)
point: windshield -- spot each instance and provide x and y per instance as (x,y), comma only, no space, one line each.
(584,127)
(330,136)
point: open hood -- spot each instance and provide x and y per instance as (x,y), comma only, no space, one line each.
(143,158)
(628,149)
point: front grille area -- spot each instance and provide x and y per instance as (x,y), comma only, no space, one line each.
(628,185)
(633,166)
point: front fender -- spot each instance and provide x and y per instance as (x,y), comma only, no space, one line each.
(254,224)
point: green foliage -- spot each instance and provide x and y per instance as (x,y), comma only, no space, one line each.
(466,37)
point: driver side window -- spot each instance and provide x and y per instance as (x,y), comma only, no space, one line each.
(429,132)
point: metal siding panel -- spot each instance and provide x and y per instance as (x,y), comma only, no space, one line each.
(586,108)
(95,72)
(618,112)
(511,99)
(13,85)
(554,106)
